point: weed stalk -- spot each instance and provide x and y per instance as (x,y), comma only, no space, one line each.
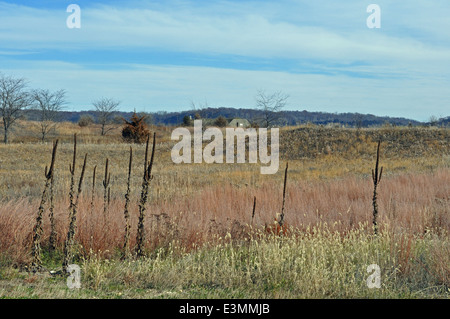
(376,180)
(126,213)
(140,238)
(281,222)
(70,239)
(38,230)
(254,209)
(106,195)
(53,234)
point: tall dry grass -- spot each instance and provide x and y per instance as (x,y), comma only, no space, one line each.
(413,204)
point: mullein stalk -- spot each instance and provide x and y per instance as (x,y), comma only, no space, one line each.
(376,180)
(254,209)
(67,250)
(53,234)
(140,238)
(281,222)
(70,240)
(72,174)
(126,213)
(38,230)
(93,190)
(106,195)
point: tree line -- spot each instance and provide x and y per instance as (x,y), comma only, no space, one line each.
(16,98)
(47,107)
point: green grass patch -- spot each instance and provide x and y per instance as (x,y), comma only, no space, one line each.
(318,263)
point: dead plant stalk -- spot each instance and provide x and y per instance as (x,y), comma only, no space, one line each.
(126,212)
(70,239)
(376,180)
(38,230)
(140,238)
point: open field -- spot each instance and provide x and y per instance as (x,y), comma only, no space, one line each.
(202,241)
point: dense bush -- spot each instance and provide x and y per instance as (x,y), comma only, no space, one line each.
(187,121)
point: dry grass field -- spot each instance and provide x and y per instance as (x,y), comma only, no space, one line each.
(201,239)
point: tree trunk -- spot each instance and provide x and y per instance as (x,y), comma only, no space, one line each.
(5,139)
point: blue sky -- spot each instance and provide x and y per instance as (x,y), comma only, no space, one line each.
(164,55)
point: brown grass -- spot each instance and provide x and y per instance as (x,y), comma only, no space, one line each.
(410,204)
(329,183)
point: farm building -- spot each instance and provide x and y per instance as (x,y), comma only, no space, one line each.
(239,123)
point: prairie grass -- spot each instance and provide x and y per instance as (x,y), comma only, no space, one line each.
(20,178)
(318,263)
(412,203)
(204,239)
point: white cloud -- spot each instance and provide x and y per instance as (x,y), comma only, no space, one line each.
(335,62)
(249,31)
(154,88)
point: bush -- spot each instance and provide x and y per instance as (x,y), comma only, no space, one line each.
(187,121)
(221,121)
(85,120)
(135,130)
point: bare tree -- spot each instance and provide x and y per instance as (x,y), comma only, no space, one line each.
(433,120)
(106,108)
(13,99)
(271,105)
(200,109)
(49,104)
(358,120)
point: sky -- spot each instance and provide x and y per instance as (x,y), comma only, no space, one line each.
(168,55)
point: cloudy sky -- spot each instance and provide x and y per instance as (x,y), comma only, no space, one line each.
(163,55)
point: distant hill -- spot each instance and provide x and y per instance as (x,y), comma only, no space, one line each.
(286,117)
(445,121)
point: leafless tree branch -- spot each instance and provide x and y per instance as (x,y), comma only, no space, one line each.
(271,105)
(106,108)
(49,104)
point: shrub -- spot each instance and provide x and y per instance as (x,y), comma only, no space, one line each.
(187,121)
(221,121)
(85,120)
(136,129)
